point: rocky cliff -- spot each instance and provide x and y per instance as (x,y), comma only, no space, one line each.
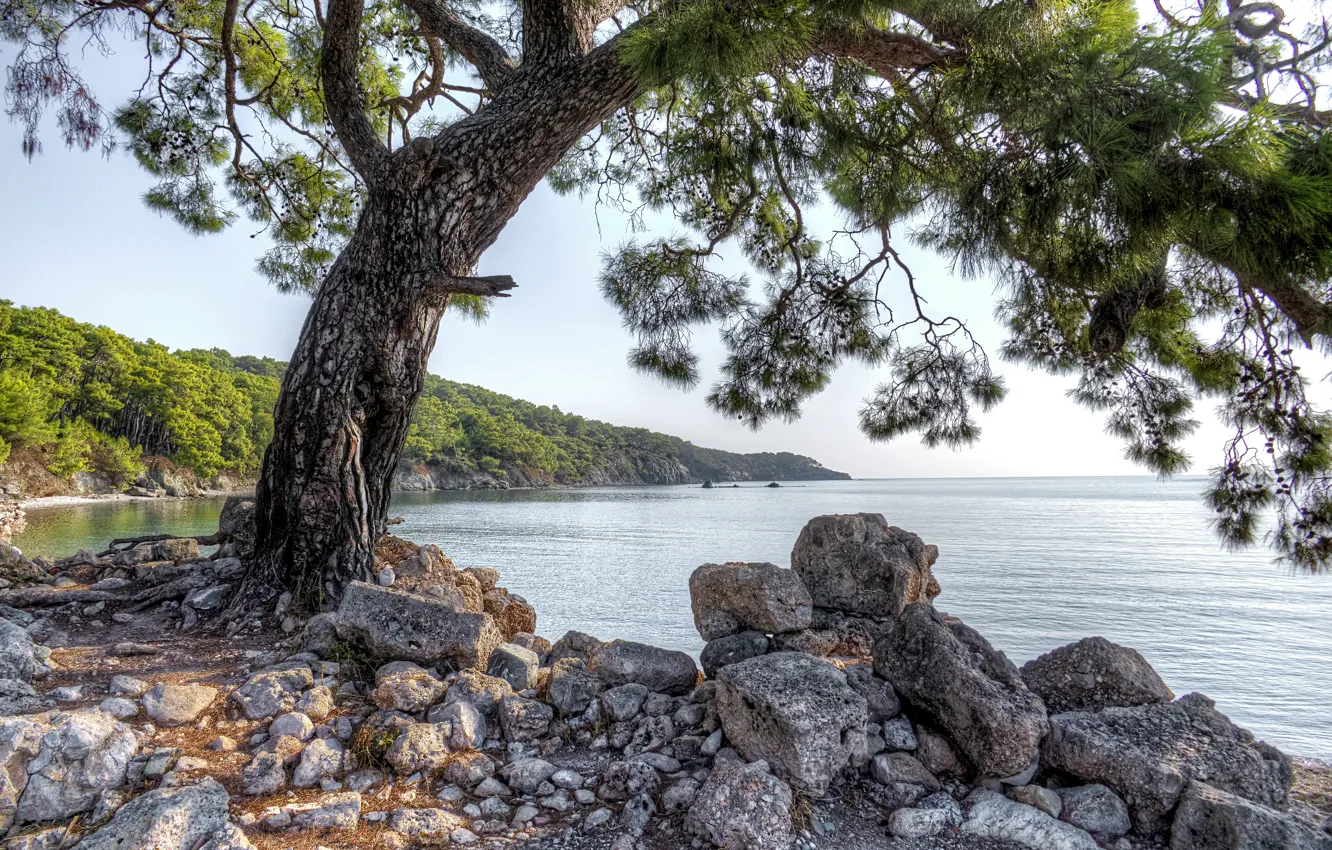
(688,465)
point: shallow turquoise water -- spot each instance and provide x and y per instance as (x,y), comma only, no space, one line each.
(1031,563)
(62,531)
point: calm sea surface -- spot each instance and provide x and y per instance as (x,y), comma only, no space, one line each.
(1031,563)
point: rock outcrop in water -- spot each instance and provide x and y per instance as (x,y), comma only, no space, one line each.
(837,708)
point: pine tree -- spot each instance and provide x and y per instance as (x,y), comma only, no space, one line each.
(1154,196)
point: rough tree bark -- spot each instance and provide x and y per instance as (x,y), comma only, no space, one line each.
(433,207)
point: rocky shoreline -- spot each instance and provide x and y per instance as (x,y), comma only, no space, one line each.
(836,707)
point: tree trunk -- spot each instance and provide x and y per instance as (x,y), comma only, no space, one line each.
(434,206)
(343,413)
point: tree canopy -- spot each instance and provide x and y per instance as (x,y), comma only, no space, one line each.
(88,398)
(1153,193)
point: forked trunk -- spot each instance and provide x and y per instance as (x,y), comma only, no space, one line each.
(347,397)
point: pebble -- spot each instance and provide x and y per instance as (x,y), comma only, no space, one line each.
(119,707)
(598,818)
(123,685)
(712,745)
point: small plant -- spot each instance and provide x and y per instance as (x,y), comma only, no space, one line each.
(371,744)
(352,660)
(802,811)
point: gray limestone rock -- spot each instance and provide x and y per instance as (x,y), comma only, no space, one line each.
(571,687)
(177,705)
(1148,754)
(18,659)
(392,624)
(861,564)
(624,702)
(269,693)
(1095,808)
(1093,674)
(170,819)
(1211,819)
(523,719)
(949,673)
(410,690)
(992,815)
(515,665)
(420,747)
(759,597)
(742,807)
(663,671)
(722,651)
(53,767)
(321,759)
(796,712)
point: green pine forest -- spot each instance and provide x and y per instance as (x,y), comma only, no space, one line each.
(83,398)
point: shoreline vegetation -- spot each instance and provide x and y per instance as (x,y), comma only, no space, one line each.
(39,503)
(85,411)
(833,707)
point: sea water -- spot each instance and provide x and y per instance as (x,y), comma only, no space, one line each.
(1031,563)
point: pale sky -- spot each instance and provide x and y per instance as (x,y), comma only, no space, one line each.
(76,237)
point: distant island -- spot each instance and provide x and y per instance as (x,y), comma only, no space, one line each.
(86,410)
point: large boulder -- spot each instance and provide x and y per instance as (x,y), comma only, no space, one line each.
(53,767)
(742,807)
(571,688)
(1093,674)
(575,645)
(18,659)
(177,705)
(168,819)
(969,689)
(1148,754)
(663,671)
(797,713)
(392,625)
(860,563)
(1211,819)
(237,525)
(728,598)
(719,652)
(272,692)
(992,815)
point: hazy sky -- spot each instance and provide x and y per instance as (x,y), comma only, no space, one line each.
(77,237)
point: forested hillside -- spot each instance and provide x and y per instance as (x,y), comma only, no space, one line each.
(79,399)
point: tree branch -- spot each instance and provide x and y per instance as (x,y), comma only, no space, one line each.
(1310,316)
(342,92)
(491,61)
(552,32)
(885,52)
(487,286)
(555,30)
